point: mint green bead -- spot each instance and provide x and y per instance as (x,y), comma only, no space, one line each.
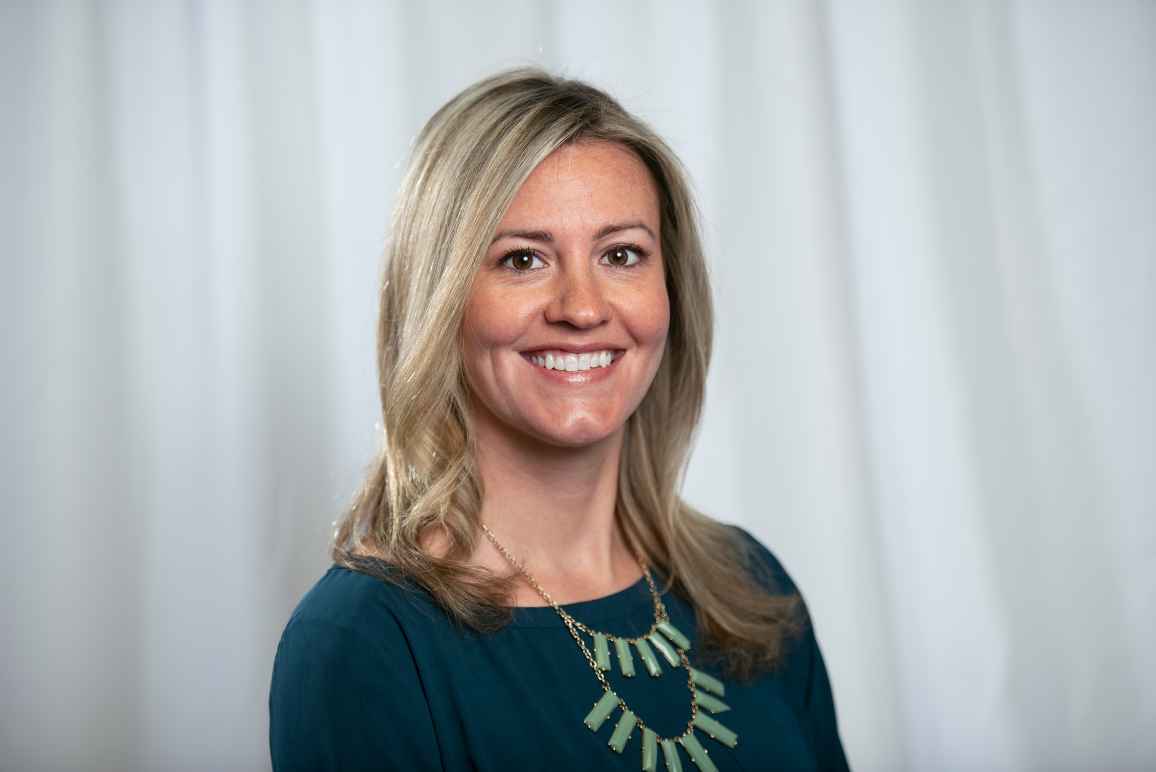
(648,658)
(670,753)
(601,710)
(697,753)
(601,652)
(649,751)
(665,649)
(708,682)
(622,732)
(673,633)
(625,661)
(713,704)
(716,730)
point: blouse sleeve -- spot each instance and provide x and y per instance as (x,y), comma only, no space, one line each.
(819,709)
(340,700)
(806,672)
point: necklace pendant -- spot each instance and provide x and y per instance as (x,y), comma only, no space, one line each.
(601,652)
(697,753)
(716,730)
(665,649)
(649,750)
(709,702)
(622,731)
(708,682)
(648,658)
(625,660)
(676,637)
(601,710)
(670,753)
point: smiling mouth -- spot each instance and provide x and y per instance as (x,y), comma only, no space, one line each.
(574,363)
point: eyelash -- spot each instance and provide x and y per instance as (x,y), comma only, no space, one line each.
(642,255)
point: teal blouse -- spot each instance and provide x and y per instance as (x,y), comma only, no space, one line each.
(371,675)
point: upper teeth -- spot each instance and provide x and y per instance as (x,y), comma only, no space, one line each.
(571,363)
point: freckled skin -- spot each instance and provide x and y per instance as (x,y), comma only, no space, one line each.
(571,293)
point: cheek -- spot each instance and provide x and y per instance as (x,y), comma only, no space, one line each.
(650,317)
(665,315)
(494,319)
(483,324)
(476,339)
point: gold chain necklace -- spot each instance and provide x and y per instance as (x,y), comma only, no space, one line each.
(705,689)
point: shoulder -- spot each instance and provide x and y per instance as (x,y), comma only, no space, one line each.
(763,563)
(346,617)
(350,616)
(351,600)
(344,668)
(805,671)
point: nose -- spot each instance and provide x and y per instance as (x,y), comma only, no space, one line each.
(579,300)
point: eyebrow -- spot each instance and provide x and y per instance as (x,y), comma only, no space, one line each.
(549,237)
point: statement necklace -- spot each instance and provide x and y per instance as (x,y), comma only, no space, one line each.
(705,689)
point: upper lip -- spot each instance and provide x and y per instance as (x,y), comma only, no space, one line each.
(575,348)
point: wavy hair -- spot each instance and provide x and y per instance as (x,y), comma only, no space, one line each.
(467,164)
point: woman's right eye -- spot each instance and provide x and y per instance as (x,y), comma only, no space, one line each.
(521,260)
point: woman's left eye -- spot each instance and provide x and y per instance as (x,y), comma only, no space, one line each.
(624,256)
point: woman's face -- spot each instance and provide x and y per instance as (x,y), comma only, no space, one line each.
(573,278)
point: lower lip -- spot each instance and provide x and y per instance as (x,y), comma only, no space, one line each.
(578,377)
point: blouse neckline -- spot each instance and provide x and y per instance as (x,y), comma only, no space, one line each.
(631,607)
(630,602)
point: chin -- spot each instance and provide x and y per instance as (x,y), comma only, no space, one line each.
(583,435)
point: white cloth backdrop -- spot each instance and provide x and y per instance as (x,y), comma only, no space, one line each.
(932,231)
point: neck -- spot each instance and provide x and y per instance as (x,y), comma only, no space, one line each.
(553,508)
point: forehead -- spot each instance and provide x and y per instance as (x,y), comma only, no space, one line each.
(586,183)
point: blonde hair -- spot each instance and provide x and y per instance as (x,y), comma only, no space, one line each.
(467,165)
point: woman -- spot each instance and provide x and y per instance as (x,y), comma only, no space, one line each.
(518,584)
